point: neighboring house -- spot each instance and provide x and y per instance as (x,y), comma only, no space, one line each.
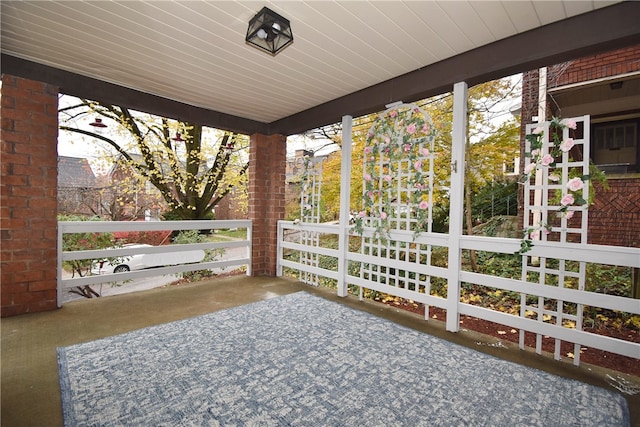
(606,87)
(77,186)
(127,197)
(293,181)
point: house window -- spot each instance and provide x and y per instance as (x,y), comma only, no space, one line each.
(615,146)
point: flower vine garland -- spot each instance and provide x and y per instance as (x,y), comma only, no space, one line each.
(398,137)
(571,191)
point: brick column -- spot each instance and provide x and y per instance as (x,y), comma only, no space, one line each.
(267,162)
(28,196)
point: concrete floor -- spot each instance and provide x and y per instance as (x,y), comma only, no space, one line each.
(30,388)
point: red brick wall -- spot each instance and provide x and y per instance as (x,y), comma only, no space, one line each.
(267,164)
(614,218)
(607,64)
(28,204)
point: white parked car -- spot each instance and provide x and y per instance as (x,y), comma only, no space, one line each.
(142,261)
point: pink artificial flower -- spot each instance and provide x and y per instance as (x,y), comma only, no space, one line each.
(367,150)
(571,124)
(393,113)
(425,152)
(425,128)
(534,235)
(383,215)
(387,139)
(423,205)
(370,194)
(553,177)
(374,141)
(535,152)
(538,130)
(418,185)
(569,214)
(407,147)
(547,159)
(567,144)
(417,165)
(387,178)
(411,129)
(575,184)
(362,214)
(529,168)
(567,200)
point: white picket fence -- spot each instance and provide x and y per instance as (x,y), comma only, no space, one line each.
(398,259)
(70,227)
(399,281)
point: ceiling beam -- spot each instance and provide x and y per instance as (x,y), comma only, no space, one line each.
(108,93)
(604,29)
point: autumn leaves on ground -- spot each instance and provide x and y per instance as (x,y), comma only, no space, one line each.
(614,327)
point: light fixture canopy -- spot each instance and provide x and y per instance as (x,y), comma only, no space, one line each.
(98,126)
(269,31)
(97,123)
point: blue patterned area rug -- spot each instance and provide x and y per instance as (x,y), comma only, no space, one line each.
(300,360)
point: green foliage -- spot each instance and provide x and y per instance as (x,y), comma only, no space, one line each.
(495,198)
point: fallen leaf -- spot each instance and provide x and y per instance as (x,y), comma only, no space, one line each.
(570,355)
(502,332)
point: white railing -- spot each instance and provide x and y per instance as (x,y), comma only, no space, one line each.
(596,254)
(70,227)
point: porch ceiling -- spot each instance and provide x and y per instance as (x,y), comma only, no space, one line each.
(347,57)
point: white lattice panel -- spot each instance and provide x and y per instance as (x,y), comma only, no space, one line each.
(556,192)
(310,213)
(397,196)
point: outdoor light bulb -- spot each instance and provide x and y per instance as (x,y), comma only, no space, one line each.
(276,27)
(262,33)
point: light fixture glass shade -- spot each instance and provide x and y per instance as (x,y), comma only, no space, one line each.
(269,31)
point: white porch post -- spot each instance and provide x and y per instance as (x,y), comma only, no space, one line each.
(458,140)
(345,193)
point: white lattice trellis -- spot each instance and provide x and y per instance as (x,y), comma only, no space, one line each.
(310,213)
(397,196)
(555,209)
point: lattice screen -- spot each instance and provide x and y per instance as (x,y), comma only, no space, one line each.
(310,213)
(555,209)
(397,196)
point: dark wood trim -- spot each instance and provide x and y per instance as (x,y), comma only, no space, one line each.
(604,29)
(90,88)
(608,28)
